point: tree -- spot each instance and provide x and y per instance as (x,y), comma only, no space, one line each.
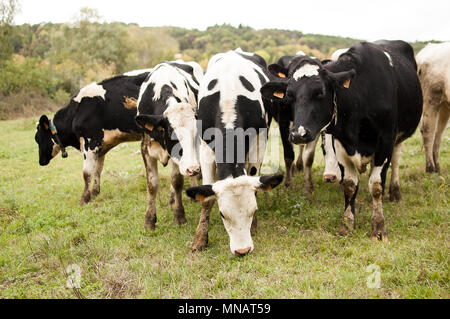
(8,9)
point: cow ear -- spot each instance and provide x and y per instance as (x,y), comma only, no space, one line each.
(274,90)
(150,122)
(278,71)
(44,122)
(269,182)
(200,193)
(344,79)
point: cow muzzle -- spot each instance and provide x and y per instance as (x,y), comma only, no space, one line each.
(300,136)
(193,170)
(242,252)
(330,178)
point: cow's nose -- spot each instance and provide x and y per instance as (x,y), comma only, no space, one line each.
(193,170)
(299,136)
(329,178)
(242,252)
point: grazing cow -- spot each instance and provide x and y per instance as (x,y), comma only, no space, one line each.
(434,75)
(234,129)
(97,119)
(370,100)
(166,113)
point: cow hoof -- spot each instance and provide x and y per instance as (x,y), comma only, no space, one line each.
(150,223)
(394,193)
(430,168)
(287,183)
(382,236)
(309,189)
(95,192)
(344,230)
(179,221)
(199,244)
(86,198)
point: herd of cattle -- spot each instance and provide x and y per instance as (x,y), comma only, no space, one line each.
(364,103)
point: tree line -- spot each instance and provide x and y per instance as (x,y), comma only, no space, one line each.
(55,60)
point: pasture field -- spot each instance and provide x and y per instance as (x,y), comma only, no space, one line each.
(298,253)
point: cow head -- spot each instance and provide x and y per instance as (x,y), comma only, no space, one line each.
(176,132)
(43,137)
(310,89)
(236,198)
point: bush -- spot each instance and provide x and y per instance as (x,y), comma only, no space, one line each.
(28,74)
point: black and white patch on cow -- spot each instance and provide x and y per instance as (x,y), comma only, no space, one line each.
(370,100)
(95,120)
(233,119)
(167,107)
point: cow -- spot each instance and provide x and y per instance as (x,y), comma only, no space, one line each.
(97,119)
(283,115)
(434,74)
(370,100)
(234,131)
(166,114)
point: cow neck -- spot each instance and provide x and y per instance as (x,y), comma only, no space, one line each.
(56,138)
(62,123)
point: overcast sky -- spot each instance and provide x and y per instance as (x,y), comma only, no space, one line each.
(369,20)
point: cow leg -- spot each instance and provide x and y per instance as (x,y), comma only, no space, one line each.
(376,187)
(289,155)
(90,167)
(394,188)
(176,188)
(208,167)
(428,129)
(151,172)
(442,121)
(299,163)
(332,172)
(308,159)
(97,175)
(350,188)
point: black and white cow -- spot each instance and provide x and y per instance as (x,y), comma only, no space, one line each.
(370,99)
(282,112)
(234,130)
(166,112)
(97,119)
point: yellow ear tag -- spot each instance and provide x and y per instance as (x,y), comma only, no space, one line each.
(281,75)
(346,84)
(149,127)
(199,197)
(279,95)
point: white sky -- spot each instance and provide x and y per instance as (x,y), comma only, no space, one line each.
(370,20)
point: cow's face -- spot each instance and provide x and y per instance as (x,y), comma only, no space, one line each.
(236,198)
(176,132)
(309,89)
(43,137)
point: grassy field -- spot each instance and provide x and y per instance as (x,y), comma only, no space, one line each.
(298,253)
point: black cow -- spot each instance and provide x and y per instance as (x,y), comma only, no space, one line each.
(234,129)
(166,113)
(97,119)
(283,114)
(370,100)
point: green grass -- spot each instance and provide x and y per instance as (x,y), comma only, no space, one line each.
(298,253)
